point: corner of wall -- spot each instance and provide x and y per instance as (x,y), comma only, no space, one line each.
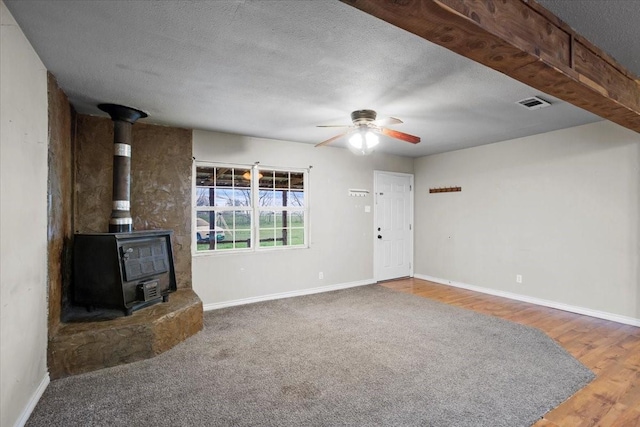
(23,218)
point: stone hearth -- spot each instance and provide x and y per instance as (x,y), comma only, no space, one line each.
(82,347)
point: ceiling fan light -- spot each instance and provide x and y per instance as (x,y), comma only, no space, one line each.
(372,139)
(356,141)
(363,142)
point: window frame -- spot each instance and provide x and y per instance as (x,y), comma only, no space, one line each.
(222,209)
(254,210)
(286,229)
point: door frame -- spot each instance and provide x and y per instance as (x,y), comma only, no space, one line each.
(376,173)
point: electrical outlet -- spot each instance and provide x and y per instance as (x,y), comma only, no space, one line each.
(518,278)
(321,275)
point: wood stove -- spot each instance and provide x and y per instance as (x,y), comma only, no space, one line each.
(126,271)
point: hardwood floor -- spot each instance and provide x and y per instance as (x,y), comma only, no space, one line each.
(611,350)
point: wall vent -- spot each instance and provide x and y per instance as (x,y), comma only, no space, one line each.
(533,103)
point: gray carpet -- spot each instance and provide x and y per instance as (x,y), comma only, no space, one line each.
(364,356)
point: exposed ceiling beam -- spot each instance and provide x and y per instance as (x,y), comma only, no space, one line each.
(526,42)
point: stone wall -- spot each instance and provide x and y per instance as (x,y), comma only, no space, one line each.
(161,166)
(81,158)
(60,200)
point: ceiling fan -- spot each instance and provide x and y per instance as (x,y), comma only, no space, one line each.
(365,129)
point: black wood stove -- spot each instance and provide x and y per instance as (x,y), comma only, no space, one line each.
(126,271)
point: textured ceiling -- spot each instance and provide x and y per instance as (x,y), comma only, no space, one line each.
(276,69)
(612,25)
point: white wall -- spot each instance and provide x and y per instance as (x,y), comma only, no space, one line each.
(561,209)
(341,232)
(23,223)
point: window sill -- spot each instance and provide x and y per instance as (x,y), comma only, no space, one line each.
(248,251)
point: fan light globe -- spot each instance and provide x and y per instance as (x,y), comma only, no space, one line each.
(356,141)
(372,139)
(363,142)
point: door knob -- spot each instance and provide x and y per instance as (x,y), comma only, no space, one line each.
(379,236)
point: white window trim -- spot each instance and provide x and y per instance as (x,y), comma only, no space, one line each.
(255,209)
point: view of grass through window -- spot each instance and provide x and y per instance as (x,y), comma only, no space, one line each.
(234,209)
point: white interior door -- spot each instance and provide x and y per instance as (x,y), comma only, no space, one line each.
(393,232)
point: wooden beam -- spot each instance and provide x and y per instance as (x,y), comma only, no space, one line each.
(523,40)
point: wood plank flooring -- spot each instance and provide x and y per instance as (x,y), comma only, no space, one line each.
(611,350)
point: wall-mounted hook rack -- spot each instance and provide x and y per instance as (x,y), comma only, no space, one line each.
(445,189)
(356,192)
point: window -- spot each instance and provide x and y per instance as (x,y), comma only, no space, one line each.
(249,208)
(281,208)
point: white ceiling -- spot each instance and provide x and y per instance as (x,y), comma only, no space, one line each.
(276,69)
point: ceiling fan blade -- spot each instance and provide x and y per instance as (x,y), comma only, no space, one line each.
(330,140)
(387,121)
(400,135)
(334,126)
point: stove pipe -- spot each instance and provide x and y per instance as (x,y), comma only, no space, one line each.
(123,118)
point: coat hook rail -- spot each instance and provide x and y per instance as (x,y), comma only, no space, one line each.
(445,189)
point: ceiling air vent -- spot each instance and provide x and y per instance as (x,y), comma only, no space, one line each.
(533,103)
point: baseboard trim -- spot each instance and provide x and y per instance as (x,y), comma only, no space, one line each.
(538,301)
(35,398)
(290,294)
